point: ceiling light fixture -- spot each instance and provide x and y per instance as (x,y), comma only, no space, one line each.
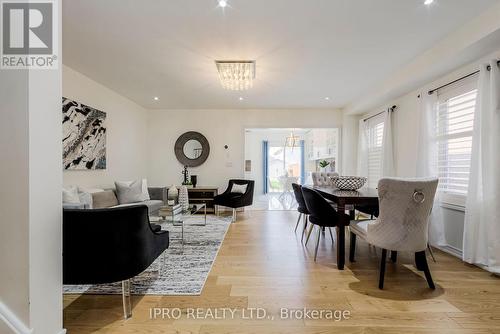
(156,98)
(241,98)
(327,98)
(292,141)
(236,74)
(428,2)
(222,3)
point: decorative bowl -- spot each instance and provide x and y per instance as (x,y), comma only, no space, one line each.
(348,182)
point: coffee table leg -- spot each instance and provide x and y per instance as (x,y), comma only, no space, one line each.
(205,208)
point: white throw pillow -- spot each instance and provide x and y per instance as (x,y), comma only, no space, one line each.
(145,192)
(70,195)
(239,188)
(129,192)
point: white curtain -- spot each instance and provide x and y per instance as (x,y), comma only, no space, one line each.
(387,158)
(363,149)
(427,156)
(482,214)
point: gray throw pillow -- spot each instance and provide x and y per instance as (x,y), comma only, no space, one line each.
(104,199)
(129,192)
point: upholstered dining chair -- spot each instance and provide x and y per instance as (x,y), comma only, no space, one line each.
(322,179)
(402,225)
(301,207)
(239,193)
(321,214)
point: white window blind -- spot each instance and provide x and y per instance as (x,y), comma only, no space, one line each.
(454,125)
(375,133)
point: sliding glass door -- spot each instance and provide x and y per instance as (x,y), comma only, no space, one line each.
(284,167)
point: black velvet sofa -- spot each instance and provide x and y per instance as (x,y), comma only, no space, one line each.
(110,245)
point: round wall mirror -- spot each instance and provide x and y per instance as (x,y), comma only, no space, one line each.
(192,149)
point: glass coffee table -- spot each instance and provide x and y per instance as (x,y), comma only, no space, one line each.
(167,217)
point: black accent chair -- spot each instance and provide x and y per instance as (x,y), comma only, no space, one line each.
(323,215)
(236,200)
(301,207)
(110,245)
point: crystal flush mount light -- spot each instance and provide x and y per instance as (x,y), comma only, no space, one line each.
(236,74)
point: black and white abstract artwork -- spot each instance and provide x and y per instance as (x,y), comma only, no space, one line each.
(84,136)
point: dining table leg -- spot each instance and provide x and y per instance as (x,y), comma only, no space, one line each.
(340,241)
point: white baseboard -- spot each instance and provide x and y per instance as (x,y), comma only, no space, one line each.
(63,331)
(12,321)
(451,250)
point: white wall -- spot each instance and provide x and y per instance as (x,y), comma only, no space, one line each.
(221,127)
(30,200)
(406,130)
(126,132)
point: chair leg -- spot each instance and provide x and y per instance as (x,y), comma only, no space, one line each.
(331,234)
(317,244)
(394,256)
(234,215)
(352,247)
(305,227)
(431,252)
(421,264)
(382,269)
(127,307)
(309,233)
(298,221)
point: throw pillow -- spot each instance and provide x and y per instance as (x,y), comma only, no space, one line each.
(104,199)
(70,195)
(239,188)
(129,192)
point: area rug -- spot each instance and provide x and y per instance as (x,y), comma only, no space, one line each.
(185,269)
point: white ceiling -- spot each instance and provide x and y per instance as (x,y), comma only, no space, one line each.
(305,50)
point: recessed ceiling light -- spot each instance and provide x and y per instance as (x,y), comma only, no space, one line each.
(156,98)
(241,98)
(327,98)
(428,2)
(222,3)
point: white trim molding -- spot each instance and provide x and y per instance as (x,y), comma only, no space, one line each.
(12,321)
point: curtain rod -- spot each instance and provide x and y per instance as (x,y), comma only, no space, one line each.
(391,109)
(432,91)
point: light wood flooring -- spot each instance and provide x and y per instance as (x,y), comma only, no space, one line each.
(263,264)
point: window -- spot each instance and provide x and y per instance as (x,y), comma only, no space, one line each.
(375,134)
(454,125)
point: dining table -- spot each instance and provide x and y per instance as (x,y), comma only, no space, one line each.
(346,199)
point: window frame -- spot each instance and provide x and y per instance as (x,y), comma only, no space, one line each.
(447,197)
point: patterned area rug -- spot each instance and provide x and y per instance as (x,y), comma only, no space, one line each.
(185,269)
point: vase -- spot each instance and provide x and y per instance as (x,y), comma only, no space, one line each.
(173,193)
(183,197)
(194,180)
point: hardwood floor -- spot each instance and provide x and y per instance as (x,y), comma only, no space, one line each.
(262,264)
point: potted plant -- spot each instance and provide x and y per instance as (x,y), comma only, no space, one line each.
(323,164)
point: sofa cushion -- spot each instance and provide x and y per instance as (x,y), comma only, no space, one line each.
(129,192)
(104,199)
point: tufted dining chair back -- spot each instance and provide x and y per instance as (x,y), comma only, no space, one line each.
(405,206)
(323,179)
